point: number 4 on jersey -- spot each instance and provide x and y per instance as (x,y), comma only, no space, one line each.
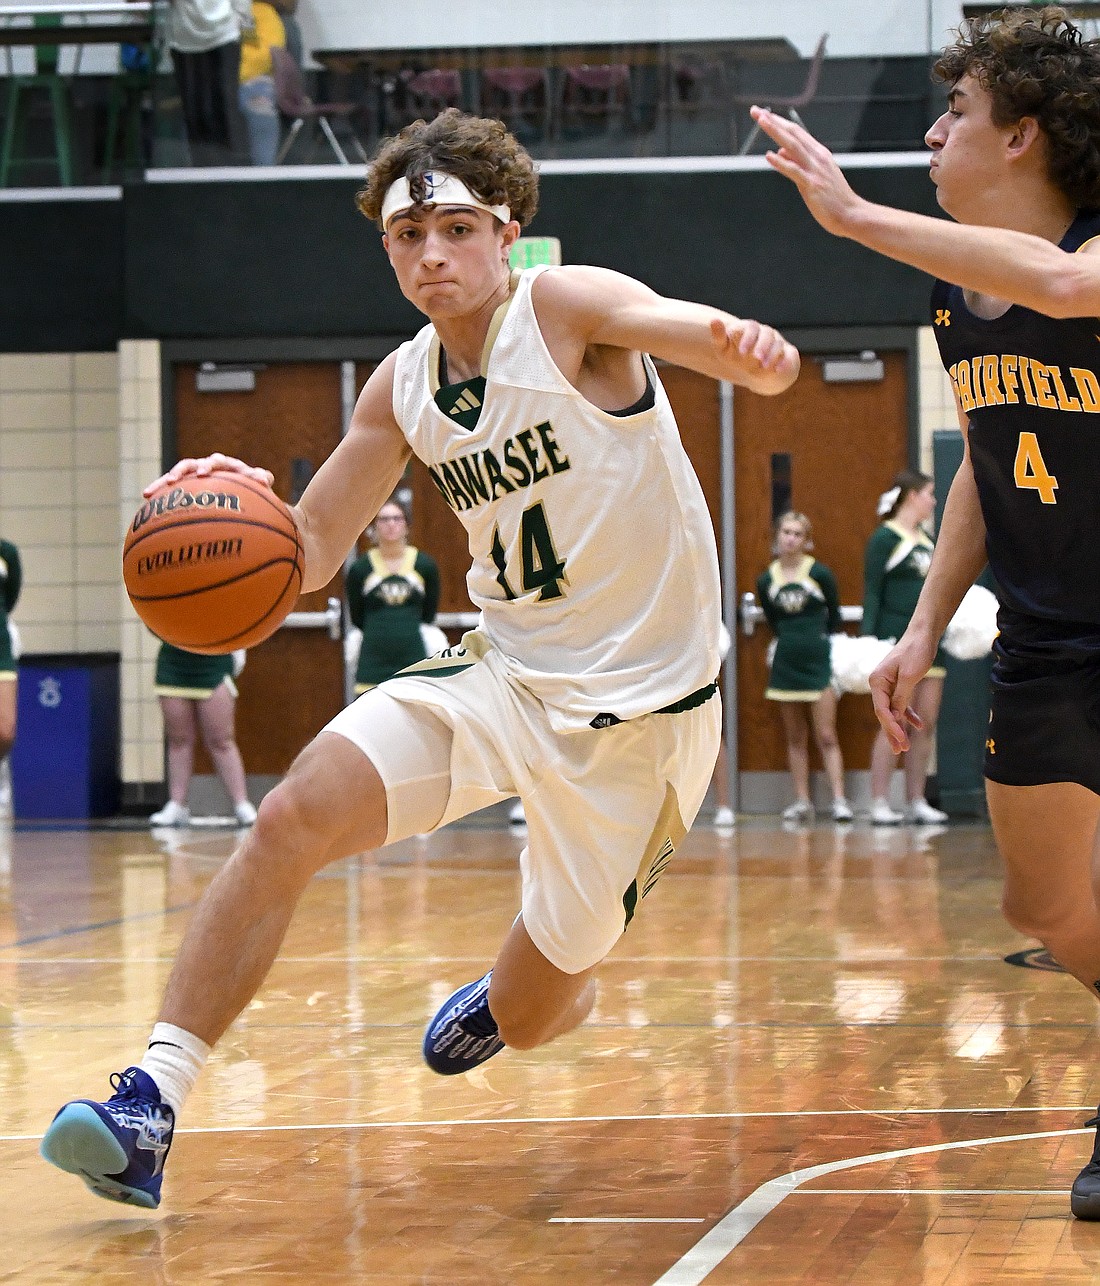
(540,566)
(1030,470)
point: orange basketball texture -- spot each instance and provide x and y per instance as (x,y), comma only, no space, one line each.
(213,564)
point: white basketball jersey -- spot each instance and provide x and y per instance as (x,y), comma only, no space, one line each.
(594,562)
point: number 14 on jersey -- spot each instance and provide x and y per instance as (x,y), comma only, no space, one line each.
(540,566)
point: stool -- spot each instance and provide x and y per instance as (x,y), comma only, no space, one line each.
(46,77)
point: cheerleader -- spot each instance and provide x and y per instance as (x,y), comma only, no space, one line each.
(800,601)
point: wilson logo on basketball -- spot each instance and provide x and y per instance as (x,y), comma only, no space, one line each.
(177,498)
(204,551)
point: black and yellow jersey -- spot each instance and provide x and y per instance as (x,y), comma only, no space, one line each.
(1030,387)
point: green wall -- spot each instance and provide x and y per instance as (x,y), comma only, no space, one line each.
(254,259)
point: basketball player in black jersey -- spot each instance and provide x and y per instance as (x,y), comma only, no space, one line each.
(1016,164)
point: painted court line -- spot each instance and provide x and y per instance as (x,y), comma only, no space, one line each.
(726,1235)
(930,1192)
(630,1219)
(480,1122)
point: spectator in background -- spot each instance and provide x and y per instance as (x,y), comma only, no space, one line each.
(198,693)
(257,87)
(287,11)
(896,562)
(11,582)
(205,39)
(392,590)
(801,604)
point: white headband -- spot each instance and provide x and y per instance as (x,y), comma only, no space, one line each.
(439,189)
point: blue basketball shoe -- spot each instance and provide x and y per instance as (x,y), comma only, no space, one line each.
(118,1147)
(463,1034)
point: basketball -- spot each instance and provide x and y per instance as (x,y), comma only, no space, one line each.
(213,564)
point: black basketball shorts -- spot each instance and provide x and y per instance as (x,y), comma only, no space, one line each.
(1044,719)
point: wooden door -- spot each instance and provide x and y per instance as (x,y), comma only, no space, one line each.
(290,423)
(832,449)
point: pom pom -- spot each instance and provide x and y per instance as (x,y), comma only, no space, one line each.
(972,629)
(853,659)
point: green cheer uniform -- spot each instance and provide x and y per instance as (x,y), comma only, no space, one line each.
(895,565)
(390,607)
(11,582)
(189,675)
(803,609)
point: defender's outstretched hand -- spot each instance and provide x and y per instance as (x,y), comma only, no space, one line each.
(216,463)
(892,683)
(812,169)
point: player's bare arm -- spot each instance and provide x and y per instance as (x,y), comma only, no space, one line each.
(584,308)
(1018,267)
(957,562)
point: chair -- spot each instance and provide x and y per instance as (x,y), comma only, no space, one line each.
(293,101)
(412,95)
(518,96)
(695,90)
(46,76)
(600,92)
(780,103)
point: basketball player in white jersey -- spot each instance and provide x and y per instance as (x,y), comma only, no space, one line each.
(589,691)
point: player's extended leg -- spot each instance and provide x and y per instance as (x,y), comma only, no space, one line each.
(303,824)
(119,1148)
(532,1000)
(1047,836)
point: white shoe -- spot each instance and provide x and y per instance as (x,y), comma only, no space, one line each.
(921,812)
(516,816)
(723,819)
(172,814)
(799,811)
(842,810)
(883,815)
(245,812)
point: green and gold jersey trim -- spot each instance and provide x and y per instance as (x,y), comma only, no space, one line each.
(462,402)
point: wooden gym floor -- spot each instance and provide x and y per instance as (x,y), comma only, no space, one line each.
(809,1062)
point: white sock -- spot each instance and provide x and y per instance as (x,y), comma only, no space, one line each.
(174,1059)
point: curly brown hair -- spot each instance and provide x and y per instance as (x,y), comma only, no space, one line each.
(479,151)
(1035,63)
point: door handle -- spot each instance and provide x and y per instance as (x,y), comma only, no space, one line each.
(331,619)
(751,613)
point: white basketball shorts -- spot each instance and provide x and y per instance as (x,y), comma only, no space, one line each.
(606,807)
